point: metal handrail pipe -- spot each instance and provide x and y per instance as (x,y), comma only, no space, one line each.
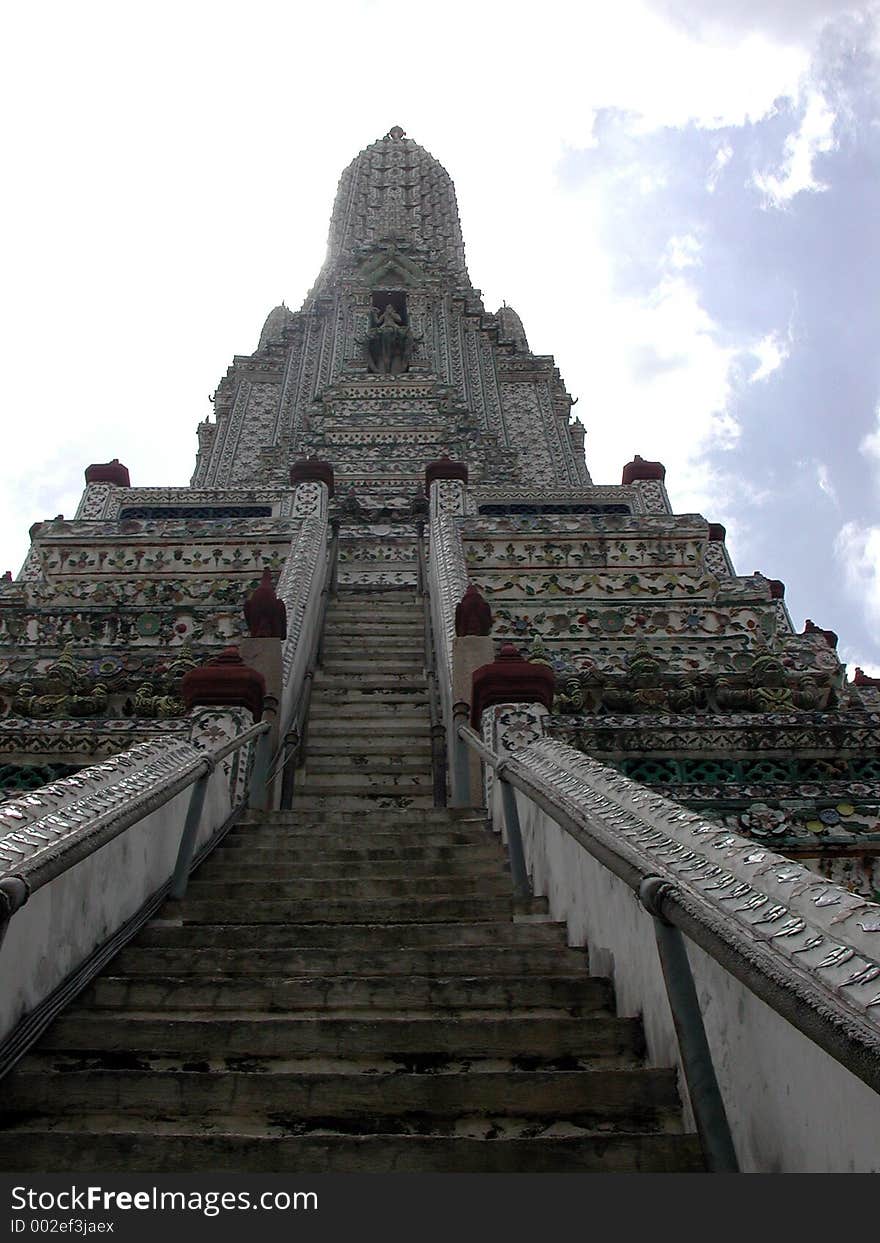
(236,743)
(710,1115)
(519,872)
(473,739)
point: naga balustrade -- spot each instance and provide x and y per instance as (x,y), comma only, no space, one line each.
(48,832)
(447,576)
(438,732)
(294,730)
(802,944)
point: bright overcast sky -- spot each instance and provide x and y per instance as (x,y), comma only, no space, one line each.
(679,197)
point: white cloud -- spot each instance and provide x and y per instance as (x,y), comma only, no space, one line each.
(870,445)
(792,21)
(858,547)
(723,156)
(814,136)
(682,252)
(823,479)
(158,224)
(771,352)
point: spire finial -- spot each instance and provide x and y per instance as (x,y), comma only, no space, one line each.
(396,132)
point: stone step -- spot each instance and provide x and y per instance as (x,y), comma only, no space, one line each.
(623,1098)
(356,800)
(166,933)
(81,1144)
(344,746)
(376,633)
(389,645)
(442,908)
(453,817)
(372,763)
(352,701)
(356,621)
(384,729)
(403,792)
(346,832)
(346,829)
(256,1033)
(367,678)
(360,888)
(375,629)
(352,870)
(326,841)
(444,961)
(358,607)
(355,661)
(349,698)
(353,656)
(386,596)
(362,779)
(575,995)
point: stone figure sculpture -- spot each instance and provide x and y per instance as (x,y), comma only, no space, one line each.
(389,342)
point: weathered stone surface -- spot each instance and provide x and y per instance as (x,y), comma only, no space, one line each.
(355,973)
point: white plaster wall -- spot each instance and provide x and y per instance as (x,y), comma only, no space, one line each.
(792,1107)
(65,920)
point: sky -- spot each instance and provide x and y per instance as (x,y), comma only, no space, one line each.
(679,198)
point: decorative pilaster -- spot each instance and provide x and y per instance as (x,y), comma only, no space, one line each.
(227,696)
(510,702)
(102,479)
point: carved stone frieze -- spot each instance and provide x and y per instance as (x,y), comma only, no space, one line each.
(80,741)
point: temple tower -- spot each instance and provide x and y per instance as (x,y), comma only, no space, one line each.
(668,664)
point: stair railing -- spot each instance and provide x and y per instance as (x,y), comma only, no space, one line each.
(54,828)
(438,731)
(53,858)
(686,871)
(696,1058)
(512,831)
(291,751)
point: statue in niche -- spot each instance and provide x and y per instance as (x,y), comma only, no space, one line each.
(389,342)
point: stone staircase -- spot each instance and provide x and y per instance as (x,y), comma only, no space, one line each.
(346,988)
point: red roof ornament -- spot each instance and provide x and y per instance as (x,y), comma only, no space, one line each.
(312,470)
(510,679)
(829,635)
(777,588)
(264,613)
(108,472)
(717,533)
(861,679)
(226,681)
(472,613)
(445,468)
(638,468)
